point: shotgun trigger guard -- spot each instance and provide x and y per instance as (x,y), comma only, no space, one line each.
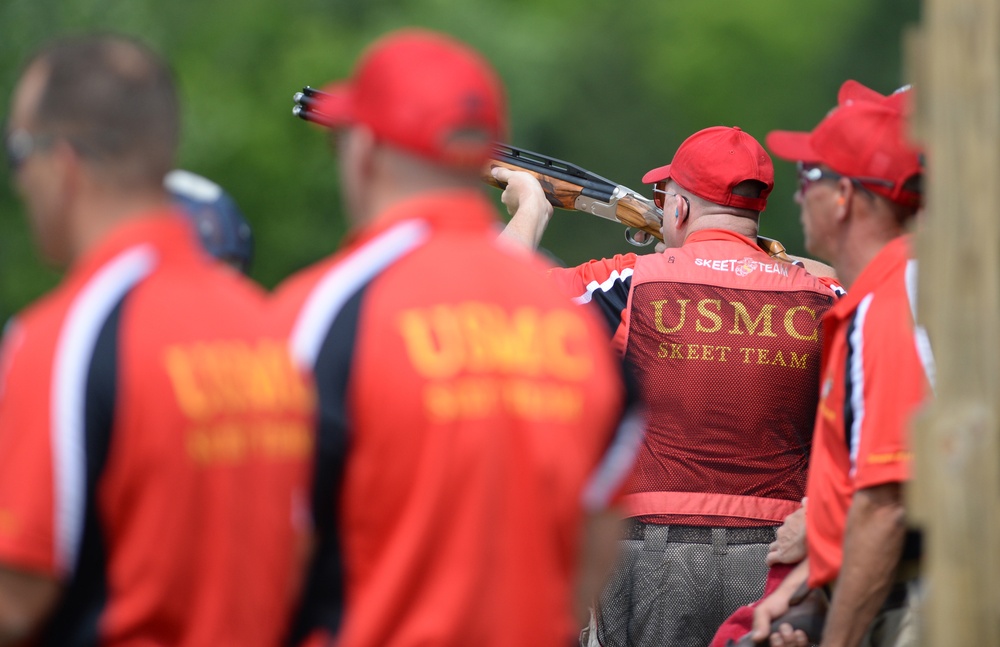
(630,238)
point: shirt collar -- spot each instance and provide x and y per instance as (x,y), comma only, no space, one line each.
(456,209)
(162,228)
(704,235)
(889,260)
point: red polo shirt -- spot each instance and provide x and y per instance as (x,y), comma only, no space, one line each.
(468,416)
(154,444)
(872,382)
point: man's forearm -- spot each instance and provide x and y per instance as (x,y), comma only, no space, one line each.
(527,205)
(873,545)
(599,549)
(777,603)
(25,599)
(524,232)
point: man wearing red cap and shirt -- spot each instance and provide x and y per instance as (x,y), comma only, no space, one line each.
(155,436)
(469,413)
(725,342)
(859,191)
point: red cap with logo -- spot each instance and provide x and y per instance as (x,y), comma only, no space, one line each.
(862,139)
(422,92)
(711,162)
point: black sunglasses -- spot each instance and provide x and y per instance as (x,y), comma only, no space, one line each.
(810,174)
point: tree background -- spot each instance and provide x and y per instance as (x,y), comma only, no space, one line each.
(613,87)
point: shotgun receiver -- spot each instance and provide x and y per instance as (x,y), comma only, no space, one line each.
(570,187)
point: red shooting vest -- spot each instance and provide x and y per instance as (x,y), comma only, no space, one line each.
(726,344)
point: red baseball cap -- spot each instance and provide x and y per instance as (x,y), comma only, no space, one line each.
(862,139)
(852,90)
(712,161)
(425,93)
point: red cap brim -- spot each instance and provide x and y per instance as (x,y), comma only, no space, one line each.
(656,175)
(792,146)
(335,107)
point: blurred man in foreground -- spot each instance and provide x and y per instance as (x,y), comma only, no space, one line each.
(469,413)
(154,437)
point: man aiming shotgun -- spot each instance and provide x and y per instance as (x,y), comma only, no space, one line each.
(567,186)
(725,341)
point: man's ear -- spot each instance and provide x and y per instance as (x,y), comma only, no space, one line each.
(681,212)
(845,193)
(362,145)
(66,173)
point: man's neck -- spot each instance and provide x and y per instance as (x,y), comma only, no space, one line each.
(100,214)
(867,233)
(856,256)
(736,224)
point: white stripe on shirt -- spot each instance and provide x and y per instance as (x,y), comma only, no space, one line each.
(857,371)
(617,462)
(593,286)
(920,337)
(74,352)
(343,280)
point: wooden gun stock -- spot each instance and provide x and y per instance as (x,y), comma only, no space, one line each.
(559,193)
(570,187)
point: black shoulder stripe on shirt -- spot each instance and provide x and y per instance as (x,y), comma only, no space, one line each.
(323,600)
(76,619)
(611,302)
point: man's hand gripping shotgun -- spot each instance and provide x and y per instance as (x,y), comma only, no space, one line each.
(570,187)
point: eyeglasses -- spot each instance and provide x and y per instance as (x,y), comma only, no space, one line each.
(659,196)
(19,145)
(809,175)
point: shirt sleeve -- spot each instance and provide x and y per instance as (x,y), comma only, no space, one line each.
(894,386)
(27,512)
(606,484)
(833,285)
(605,283)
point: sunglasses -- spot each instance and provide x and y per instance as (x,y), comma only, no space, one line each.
(19,145)
(809,175)
(660,194)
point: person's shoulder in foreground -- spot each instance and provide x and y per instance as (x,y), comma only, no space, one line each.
(504,399)
(145,413)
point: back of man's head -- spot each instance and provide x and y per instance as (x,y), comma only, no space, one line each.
(114,101)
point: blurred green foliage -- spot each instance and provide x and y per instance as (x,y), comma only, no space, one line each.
(613,87)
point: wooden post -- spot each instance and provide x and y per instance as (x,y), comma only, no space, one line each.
(956,492)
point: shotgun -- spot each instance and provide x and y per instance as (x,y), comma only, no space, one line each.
(570,187)
(566,186)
